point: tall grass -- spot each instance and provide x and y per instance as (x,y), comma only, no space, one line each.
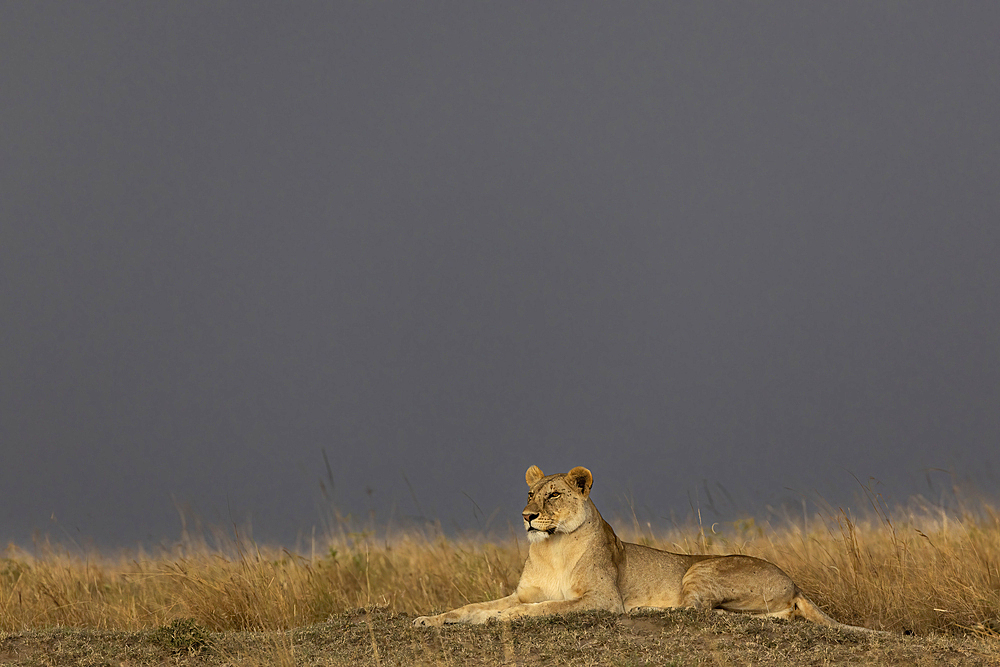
(920,569)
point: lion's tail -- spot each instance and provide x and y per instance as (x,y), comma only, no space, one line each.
(802,606)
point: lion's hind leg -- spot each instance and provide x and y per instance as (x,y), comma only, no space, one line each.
(739,584)
(751,586)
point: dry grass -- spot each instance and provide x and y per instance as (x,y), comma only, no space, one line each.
(920,570)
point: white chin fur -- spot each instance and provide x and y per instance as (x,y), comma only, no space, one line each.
(537,536)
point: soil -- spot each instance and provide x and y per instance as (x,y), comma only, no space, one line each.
(377,637)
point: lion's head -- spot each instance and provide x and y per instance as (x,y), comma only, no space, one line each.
(556,503)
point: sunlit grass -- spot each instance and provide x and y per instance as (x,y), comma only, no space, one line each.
(918,569)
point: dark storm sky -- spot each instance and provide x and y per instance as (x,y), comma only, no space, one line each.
(751,244)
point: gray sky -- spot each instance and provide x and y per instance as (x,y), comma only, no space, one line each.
(750,244)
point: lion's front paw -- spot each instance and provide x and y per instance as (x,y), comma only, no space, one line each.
(435,621)
(508,614)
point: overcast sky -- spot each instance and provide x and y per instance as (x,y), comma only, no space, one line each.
(750,247)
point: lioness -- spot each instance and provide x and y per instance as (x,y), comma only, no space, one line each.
(576,562)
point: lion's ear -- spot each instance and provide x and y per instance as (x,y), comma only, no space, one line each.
(533,474)
(581,478)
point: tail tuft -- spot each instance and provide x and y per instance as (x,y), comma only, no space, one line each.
(803,607)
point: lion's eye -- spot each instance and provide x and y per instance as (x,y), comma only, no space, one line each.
(554,494)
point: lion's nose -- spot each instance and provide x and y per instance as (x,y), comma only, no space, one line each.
(530,516)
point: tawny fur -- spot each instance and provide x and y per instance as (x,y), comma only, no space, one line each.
(576,562)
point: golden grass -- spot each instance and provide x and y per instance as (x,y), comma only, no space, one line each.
(920,570)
